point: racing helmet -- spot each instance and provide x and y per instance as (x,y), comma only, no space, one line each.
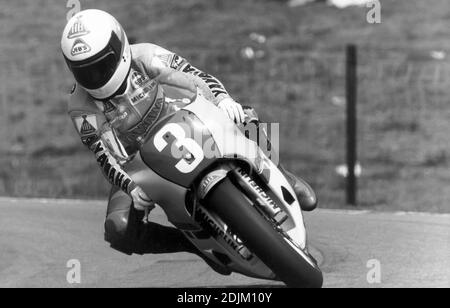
(97,51)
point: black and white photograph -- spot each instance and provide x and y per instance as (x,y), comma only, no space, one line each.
(224,149)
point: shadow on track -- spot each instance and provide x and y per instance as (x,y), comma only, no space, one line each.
(153,238)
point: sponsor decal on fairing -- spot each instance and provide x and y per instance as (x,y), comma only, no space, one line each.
(209,224)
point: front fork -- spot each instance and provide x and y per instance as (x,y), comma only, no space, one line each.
(250,187)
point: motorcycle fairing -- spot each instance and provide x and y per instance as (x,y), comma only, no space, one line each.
(182,145)
(176,144)
(168,186)
(232,143)
(170,196)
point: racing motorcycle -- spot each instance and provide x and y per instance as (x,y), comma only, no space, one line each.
(227,197)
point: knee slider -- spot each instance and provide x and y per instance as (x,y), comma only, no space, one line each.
(116,224)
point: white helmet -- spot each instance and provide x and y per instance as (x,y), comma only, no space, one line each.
(97,52)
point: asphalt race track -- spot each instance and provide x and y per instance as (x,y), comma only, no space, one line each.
(38,237)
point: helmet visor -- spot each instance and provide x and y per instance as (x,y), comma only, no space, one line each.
(95,72)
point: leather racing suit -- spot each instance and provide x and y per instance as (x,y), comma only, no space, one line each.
(159,81)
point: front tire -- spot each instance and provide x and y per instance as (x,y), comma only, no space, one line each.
(236,210)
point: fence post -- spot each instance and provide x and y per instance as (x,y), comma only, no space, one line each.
(351,93)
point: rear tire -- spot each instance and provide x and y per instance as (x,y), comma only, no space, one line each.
(236,210)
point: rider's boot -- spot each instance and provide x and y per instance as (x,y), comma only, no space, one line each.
(305,194)
(118,232)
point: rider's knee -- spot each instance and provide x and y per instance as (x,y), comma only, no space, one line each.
(117,232)
(116,224)
(117,216)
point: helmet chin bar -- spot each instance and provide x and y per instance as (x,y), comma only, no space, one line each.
(121,90)
(111,87)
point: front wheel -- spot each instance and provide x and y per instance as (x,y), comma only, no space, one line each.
(236,210)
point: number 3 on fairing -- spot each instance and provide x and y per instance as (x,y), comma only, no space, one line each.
(180,142)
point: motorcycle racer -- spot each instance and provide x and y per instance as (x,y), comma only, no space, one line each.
(121,91)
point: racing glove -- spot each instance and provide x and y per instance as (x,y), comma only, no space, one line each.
(141,201)
(232,109)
